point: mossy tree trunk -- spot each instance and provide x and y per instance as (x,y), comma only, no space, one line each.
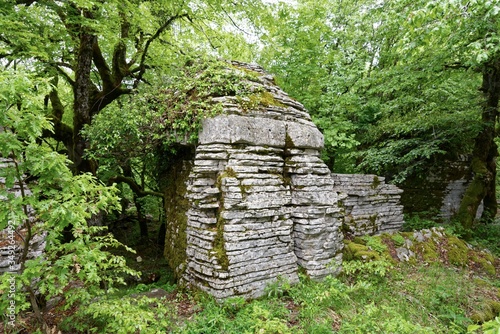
(483,167)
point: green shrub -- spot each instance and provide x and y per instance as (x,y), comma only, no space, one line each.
(122,316)
(416,222)
(76,271)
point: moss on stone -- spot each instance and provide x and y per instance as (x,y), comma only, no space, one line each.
(355,251)
(229,172)
(407,235)
(485,261)
(219,245)
(457,251)
(288,141)
(267,99)
(488,310)
(429,251)
(245,189)
(176,216)
(376,182)
(373,223)
(359,240)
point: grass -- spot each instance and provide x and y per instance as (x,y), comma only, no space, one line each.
(381,296)
(408,298)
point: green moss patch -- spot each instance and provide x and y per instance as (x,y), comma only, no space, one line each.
(428,246)
(219,245)
(176,216)
(376,182)
(487,311)
(355,251)
(457,251)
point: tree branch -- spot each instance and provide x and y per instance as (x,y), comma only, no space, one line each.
(137,189)
(62,132)
(102,67)
(165,26)
(64,74)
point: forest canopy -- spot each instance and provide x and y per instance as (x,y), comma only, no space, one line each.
(96,95)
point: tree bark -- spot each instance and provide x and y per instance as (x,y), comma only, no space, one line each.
(81,105)
(483,166)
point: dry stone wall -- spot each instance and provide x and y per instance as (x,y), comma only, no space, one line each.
(439,193)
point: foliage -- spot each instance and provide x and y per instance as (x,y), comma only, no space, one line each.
(254,317)
(487,236)
(489,327)
(56,200)
(414,223)
(375,243)
(122,316)
(376,270)
(95,52)
(383,319)
(412,299)
(383,105)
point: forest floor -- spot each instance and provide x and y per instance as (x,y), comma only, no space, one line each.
(425,295)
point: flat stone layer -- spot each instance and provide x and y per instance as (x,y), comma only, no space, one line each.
(370,205)
(261,202)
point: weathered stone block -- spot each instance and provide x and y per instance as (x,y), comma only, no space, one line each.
(261,201)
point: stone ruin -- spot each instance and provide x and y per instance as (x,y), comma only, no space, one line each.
(438,194)
(256,204)
(370,206)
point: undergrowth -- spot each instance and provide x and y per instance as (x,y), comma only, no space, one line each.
(378,296)
(371,297)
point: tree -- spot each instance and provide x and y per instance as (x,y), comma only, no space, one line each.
(468,33)
(97,51)
(50,199)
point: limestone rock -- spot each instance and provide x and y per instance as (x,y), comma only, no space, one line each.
(259,203)
(370,205)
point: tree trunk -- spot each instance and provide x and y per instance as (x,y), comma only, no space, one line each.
(483,167)
(81,105)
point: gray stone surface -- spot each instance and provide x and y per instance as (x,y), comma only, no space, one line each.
(370,205)
(262,204)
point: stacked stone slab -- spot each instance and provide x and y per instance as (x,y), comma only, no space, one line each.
(370,205)
(261,201)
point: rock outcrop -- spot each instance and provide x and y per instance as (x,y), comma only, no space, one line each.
(255,202)
(370,205)
(262,201)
